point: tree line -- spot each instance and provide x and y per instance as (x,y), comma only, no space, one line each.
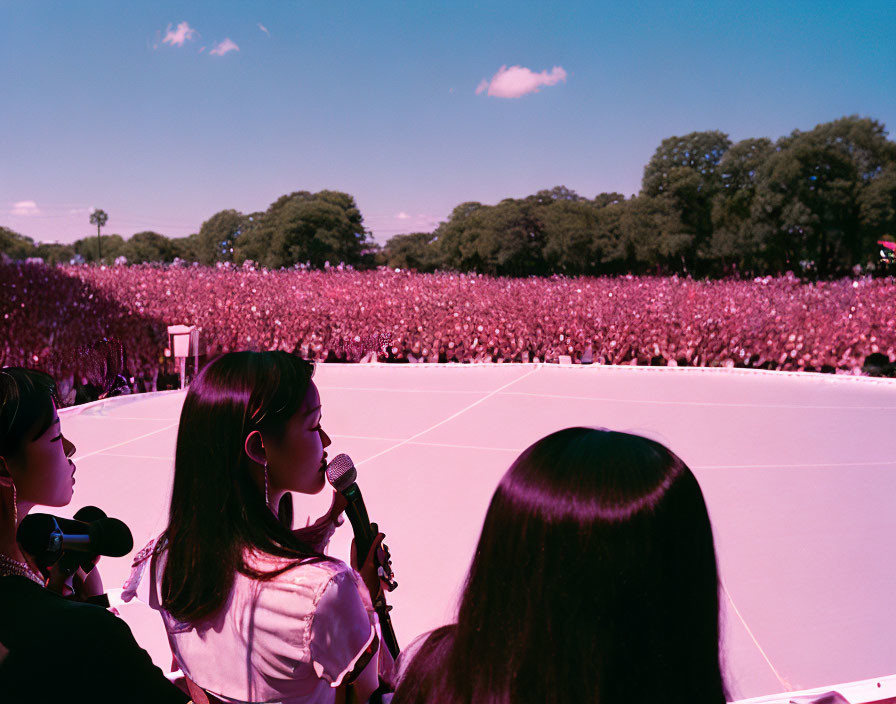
(301,227)
(814,202)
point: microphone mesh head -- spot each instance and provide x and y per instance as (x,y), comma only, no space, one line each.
(88,514)
(111,537)
(341,472)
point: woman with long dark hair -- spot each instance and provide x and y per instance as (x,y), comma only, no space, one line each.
(59,643)
(255,611)
(594,580)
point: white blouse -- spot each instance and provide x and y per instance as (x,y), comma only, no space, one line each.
(290,640)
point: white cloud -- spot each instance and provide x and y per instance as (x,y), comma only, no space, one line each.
(80,211)
(224,47)
(402,216)
(177,37)
(263,29)
(517,81)
(25,207)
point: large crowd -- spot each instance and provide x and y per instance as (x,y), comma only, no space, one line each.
(53,317)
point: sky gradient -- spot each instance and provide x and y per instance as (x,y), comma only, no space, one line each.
(163,114)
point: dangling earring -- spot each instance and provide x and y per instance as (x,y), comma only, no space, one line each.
(266,500)
(15,510)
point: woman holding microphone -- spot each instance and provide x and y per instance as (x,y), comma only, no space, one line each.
(254,610)
(56,645)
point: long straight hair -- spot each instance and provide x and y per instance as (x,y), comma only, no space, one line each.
(594,580)
(217,511)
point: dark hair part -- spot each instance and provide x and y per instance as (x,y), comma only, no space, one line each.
(595,579)
(216,509)
(26,407)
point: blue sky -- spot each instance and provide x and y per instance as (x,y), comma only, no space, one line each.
(380,100)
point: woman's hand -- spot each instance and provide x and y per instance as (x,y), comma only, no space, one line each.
(76,585)
(369,570)
(91,584)
(59,579)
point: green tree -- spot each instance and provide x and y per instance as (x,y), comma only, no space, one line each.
(510,238)
(452,238)
(653,235)
(877,206)
(811,190)
(686,171)
(53,253)
(410,251)
(570,233)
(608,247)
(348,237)
(89,248)
(99,218)
(502,239)
(245,241)
(149,247)
(16,246)
(734,242)
(700,152)
(301,226)
(556,194)
(602,200)
(186,248)
(218,235)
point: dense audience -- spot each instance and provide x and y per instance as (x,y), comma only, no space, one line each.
(52,318)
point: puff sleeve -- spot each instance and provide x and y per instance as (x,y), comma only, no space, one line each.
(341,628)
(135,586)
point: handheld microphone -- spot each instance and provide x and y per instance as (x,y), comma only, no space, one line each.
(342,475)
(45,537)
(71,560)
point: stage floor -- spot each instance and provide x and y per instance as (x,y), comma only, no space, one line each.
(798,471)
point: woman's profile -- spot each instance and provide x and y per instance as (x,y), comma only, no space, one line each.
(594,580)
(59,643)
(254,610)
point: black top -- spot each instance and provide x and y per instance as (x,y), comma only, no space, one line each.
(68,651)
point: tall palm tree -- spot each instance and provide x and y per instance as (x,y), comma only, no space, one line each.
(98,217)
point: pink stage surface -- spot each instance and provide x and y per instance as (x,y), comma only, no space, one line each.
(798,471)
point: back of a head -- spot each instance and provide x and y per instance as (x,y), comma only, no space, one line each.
(595,579)
(216,509)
